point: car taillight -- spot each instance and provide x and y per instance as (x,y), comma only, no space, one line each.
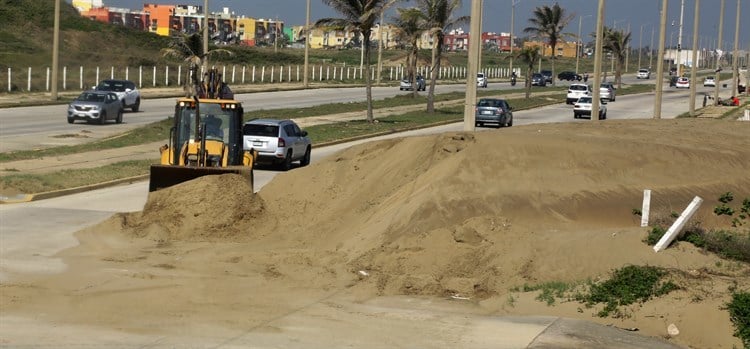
(281,142)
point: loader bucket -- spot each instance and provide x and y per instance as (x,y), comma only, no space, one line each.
(164,176)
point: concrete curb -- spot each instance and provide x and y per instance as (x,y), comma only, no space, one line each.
(62,192)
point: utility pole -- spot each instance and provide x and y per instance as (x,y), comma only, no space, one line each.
(205,36)
(474,51)
(694,66)
(627,53)
(597,63)
(640,47)
(512,25)
(651,50)
(56,51)
(308,31)
(580,42)
(718,58)
(381,27)
(736,54)
(660,62)
(679,39)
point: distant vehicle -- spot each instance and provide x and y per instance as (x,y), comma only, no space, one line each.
(643,74)
(95,106)
(583,107)
(547,75)
(280,142)
(608,91)
(481,80)
(576,91)
(493,111)
(406,84)
(709,81)
(126,91)
(673,71)
(569,76)
(538,80)
(682,82)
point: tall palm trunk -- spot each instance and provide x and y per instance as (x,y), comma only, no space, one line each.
(434,73)
(554,56)
(368,81)
(528,80)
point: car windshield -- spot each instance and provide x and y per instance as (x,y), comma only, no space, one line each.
(480,75)
(643,71)
(92,97)
(584,100)
(260,130)
(709,78)
(116,86)
(578,88)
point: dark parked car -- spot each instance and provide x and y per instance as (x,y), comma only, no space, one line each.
(279,142)
(569,76)
(95,106)
(547,75)
(493,111)
(538,80)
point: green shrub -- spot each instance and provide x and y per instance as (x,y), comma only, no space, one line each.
(627,285)
(739,313)
(654,235)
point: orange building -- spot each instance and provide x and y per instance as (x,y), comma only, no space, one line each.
(161,18)
(564,49)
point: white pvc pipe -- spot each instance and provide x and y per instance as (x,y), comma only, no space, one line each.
(646,207)
(677,226)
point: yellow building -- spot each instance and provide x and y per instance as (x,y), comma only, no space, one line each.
(86,5)
(564,49)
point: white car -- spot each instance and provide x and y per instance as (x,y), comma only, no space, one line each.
(643,74)
(126,91)
(709,81)
(279,142)
(481,80)
(583,107)
(576,91)
(682,83)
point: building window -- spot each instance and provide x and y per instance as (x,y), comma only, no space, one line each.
(154,24)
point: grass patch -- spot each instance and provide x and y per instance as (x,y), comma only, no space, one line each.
(739,314)
(151,133)
(549,291)
(626,286)
(65,179)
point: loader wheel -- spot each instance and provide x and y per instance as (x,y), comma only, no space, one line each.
(306,159)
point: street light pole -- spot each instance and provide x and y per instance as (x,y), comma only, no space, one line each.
(718,58)
(694,67)
(306,83)
(660,61)
(56,51)
(512,25)
(205,35)
(736,54)
(597,62)
(679,39)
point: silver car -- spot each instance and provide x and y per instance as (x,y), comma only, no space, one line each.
(280,142)
(607,91)
(493,111)
(95,106)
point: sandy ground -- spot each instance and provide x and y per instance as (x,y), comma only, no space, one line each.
(469,215)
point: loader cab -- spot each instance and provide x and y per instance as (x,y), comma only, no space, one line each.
(218,121)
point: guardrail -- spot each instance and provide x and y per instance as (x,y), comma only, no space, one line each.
(81,78)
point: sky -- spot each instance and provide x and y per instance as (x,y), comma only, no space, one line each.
(639,14)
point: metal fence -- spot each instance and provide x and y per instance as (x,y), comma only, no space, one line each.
(81,78)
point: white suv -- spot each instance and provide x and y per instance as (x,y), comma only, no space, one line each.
(125,90)
(481,80)
(643,74)
(279,142)
(576,91)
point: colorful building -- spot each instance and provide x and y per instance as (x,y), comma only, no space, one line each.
(564,49)
(160,17)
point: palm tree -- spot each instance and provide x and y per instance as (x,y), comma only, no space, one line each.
(529,55)
(358,16)
(439,15)
(189,48)
(547,24)
(410,23)
(617,42)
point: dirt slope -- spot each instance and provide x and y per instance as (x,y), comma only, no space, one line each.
(461,214)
